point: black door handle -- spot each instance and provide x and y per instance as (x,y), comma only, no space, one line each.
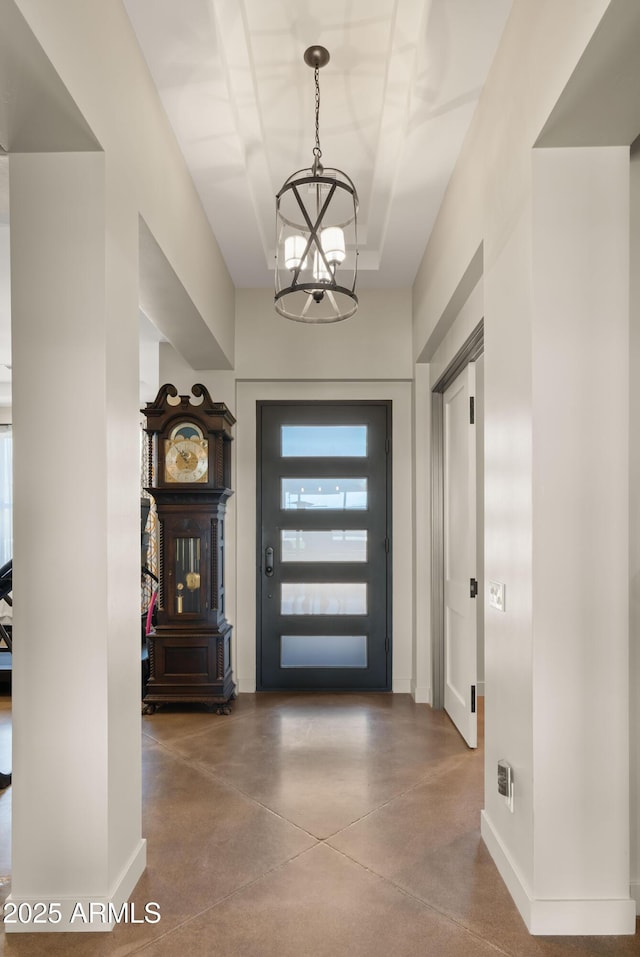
(268,562)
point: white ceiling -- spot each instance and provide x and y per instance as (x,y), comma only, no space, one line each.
(396,100)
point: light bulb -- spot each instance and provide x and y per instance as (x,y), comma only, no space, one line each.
(332,242)
(294,247)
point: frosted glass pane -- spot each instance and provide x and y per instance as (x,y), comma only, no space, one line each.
(323,651)
(320,441)
(342,494)
(323,598)
(304,545)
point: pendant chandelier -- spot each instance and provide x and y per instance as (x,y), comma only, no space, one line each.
(316,235)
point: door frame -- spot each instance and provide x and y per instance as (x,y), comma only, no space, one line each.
(471,350)
(388,405)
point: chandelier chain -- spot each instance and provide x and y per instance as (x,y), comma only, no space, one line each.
(317,152)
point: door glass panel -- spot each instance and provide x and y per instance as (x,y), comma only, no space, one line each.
(323,598)
(305,545)
(323,651)
(187,575)
(321,441)
(343,494)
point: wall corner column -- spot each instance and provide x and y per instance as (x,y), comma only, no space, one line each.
(580,642)
(76,685)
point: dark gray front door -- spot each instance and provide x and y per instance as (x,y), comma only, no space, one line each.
(324,546)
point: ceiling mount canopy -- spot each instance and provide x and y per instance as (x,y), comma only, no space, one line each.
(316,234)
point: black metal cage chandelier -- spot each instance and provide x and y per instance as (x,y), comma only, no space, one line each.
(316,234)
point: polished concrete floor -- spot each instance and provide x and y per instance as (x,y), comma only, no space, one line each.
(309,826)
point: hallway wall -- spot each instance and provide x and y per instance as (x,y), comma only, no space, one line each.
(373,344)
(634,523)
(544,332)
(5,312)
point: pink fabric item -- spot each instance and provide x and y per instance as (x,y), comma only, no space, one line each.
(152,605)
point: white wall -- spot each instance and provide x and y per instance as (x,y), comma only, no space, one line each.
(580,257)
(508,535)
(5,317)
(634,525)
(541,676)
(149,360)
(373,344)
(422,686)
(464,322)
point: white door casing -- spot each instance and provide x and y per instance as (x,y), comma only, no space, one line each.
(460,625)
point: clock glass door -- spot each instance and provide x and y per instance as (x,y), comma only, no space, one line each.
(324,540)
(187,576)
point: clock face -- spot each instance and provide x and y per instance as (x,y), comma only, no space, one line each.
(186,455)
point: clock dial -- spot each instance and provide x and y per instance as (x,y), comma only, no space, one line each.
(186,460)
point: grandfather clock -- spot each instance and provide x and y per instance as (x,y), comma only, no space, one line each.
(189,478)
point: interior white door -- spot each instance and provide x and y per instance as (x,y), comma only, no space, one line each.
(460,587)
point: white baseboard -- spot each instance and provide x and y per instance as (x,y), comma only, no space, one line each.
(246,685)
(558,917)
(480,689)
(401,686)
(420,695)
(635,894)
(125,883)
(95,913)
(508,871)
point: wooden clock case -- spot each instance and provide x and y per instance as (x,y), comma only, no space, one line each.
(190,646)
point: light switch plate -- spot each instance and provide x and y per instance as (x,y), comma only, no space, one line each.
(505,782)
(496,595)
